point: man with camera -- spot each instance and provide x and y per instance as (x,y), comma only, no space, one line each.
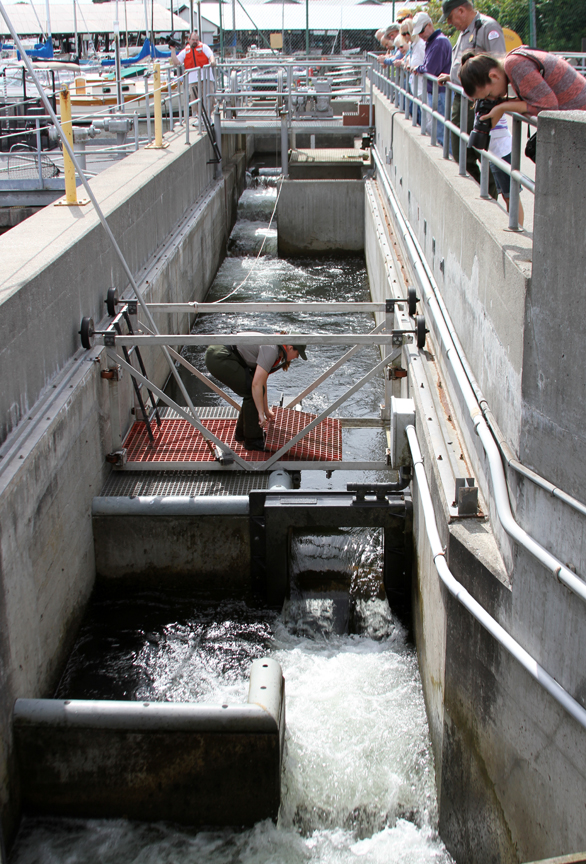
(195,55)
(481,34)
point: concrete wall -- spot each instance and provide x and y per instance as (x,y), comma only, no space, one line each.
(511,763)
(207,554)
(193,764)
(317,216)
(56,267)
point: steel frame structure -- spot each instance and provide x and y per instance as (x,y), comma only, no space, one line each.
(396,330)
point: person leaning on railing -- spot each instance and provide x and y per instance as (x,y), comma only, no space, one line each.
(541,81)
(501,143)
(387,40)
(437,59)
(478,33)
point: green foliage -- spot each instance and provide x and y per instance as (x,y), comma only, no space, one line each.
(561,24)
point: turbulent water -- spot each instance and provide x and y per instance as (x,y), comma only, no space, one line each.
(358,775)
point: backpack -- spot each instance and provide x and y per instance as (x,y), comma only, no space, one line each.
(531,146)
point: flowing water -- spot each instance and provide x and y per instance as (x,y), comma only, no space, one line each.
(358,776)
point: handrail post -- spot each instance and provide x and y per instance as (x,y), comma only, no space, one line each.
(484,176)
(284,145)
(135,125)
(147,99)
(434,106)
(447,115)
(39,158)
(423,97)
(463,128)
(157,106)
(186,105)
(199,97)
(515,185)
(415,96)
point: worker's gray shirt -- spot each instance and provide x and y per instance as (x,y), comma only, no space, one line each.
(264,356)
(487,38)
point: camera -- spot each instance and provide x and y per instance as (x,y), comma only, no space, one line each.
(480,134)
(171,41)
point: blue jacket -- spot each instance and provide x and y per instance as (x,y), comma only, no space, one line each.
(438,56)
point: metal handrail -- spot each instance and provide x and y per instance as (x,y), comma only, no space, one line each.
(394,85)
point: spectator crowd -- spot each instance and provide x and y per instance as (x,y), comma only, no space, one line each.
(525,81)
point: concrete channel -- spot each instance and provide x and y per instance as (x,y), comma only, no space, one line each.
(509,760)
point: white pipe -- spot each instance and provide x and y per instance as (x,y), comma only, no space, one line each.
(476,610)
(503,445)
(499,483)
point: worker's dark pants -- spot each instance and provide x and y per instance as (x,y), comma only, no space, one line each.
(472,155)
(228,368)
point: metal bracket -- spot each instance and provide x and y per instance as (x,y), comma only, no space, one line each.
(114,373)
(117,458)
(466,497)
(223,458)
(110,340)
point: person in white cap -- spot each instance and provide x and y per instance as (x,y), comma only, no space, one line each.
(437,61)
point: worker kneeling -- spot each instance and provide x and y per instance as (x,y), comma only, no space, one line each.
(245,370)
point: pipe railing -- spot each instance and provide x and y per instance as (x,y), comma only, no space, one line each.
(395,86)
(457,362)
(457,590)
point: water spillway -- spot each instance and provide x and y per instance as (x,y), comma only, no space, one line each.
(358,777)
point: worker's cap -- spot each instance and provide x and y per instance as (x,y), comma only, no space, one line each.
(420,22)
(448,6)
(402,14)
(301,349)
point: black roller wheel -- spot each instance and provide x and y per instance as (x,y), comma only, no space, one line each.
(87,333)
(112,301)
(412,300)
(421,331)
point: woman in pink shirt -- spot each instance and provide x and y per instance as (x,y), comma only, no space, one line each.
(541,81)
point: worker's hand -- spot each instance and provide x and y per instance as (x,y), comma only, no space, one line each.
(445,76)
(271,414)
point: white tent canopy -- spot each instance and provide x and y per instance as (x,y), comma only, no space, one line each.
(91,18)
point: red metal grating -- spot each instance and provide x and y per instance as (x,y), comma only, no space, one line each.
(177,441)
(323,443)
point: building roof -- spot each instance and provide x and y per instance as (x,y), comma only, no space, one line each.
(91,18)
(291,16)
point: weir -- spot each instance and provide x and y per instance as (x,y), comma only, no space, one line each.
(449,318)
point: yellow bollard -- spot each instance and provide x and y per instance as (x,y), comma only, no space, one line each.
(70,199)
(68,167)
(158,143)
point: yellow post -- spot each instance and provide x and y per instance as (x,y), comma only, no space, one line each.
(158,112)
(69,169)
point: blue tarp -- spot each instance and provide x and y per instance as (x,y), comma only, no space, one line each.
(41,51)
(147,50)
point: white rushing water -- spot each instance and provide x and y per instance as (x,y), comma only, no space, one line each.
(358,775)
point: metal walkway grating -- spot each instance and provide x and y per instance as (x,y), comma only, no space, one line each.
(177,441)
(135,484)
